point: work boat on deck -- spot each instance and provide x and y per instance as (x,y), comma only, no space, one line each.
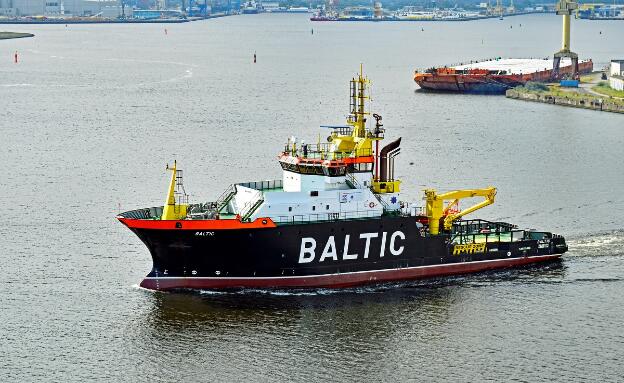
(334,219)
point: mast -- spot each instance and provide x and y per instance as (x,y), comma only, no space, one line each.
(173,209)
(357,118)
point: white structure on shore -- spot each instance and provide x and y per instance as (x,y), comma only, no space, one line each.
(106,8)
(616,78)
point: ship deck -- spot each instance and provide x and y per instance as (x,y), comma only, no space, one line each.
(515,66)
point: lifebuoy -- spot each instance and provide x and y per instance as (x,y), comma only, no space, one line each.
(371,205)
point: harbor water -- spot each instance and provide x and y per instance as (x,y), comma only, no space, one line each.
(91,114)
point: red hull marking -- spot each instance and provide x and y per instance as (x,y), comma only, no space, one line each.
(197,224)
(339,280)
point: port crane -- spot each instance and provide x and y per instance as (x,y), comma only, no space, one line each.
(436,212)
(565,8)
(499,9)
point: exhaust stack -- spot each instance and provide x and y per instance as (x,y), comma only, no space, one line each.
(386,160)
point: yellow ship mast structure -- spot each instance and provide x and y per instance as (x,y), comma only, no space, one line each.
(565,8)
(358,113)
(174,210)
(358,141)
(436,210)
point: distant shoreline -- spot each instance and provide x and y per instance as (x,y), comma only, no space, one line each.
(27,20)
(14,35)
(424,19)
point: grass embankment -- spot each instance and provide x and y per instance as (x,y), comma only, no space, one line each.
(587,79)
(14,35)
(604,88)
(575,97)
(554,90)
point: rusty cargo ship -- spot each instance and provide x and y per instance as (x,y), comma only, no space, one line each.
(495,76)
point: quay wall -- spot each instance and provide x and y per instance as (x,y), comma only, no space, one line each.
(576,100)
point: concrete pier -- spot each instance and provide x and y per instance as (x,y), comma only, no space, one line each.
(591,101)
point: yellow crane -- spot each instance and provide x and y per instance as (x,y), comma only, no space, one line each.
(565,8)
(499,9)
(436,210)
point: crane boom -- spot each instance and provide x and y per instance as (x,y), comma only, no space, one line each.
(436,210)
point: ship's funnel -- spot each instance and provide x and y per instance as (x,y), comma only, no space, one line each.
(383,159)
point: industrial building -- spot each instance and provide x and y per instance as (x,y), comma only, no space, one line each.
(616,78)
(105,8)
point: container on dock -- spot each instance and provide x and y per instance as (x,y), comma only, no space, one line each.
(569,83)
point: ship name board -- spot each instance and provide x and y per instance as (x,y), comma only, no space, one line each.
(308,249)
(469,248)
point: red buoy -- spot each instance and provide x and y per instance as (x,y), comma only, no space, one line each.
(16,57)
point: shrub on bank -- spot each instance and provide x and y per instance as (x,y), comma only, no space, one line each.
(535,86)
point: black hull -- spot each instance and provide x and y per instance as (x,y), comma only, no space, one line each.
(326,254)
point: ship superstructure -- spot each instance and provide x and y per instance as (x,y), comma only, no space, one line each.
(328,180)
(334,219)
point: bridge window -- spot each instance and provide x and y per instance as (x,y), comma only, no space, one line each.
(362,167)
(334,171)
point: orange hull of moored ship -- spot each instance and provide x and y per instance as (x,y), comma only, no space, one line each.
(485,81)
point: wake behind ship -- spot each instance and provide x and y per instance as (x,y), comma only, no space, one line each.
(334,219)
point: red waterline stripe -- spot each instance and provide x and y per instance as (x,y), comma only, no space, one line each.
(341,279)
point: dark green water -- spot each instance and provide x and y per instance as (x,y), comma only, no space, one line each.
(91,114)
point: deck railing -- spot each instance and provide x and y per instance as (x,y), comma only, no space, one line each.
(323,151)
(324,217)
(251,206)
(225,197)
(263,185)
(482,231)
(146,213)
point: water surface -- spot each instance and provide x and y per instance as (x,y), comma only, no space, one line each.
(92,113)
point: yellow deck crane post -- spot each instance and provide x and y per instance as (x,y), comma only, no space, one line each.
(177,199)
(436,210)
(565,8)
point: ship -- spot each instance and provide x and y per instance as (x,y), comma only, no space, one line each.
(251,8)
(334,219)
(494,76)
